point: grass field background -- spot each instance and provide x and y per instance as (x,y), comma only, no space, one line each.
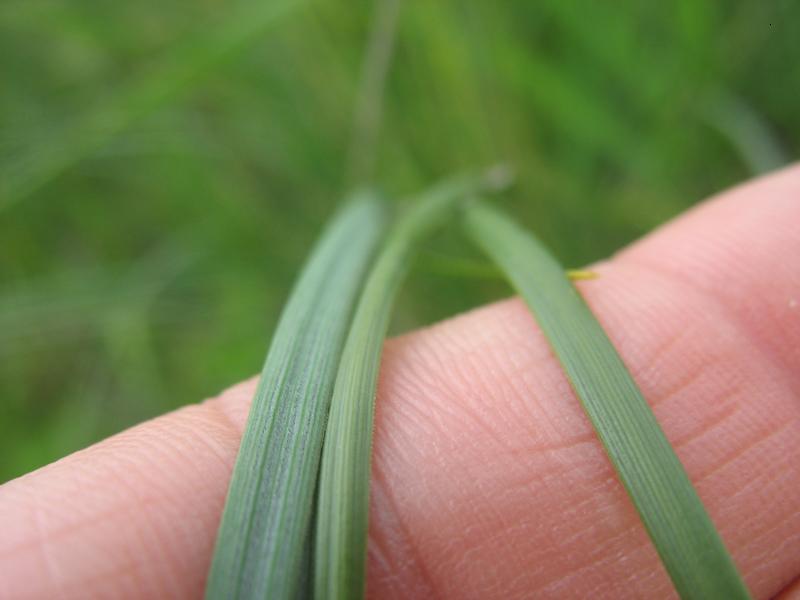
(165,166)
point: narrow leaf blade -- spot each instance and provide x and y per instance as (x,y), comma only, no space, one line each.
(342,514)
(674,516)
(265,535)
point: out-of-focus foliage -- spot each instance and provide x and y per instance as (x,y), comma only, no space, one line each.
(150,270)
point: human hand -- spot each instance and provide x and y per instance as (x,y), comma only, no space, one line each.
(488,480)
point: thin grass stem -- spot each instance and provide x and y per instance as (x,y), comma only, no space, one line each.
(370,96)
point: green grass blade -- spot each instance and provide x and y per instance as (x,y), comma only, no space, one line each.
(673,514)
(187,64)
(342,514)
(265,533)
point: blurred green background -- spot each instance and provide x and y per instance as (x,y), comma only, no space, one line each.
(165,165)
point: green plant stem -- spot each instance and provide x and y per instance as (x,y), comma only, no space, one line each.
(265,535)
(674,516)
(369,101)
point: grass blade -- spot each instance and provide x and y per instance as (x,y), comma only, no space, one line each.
(264,536)
(673,514)
(342,514)
(189,62)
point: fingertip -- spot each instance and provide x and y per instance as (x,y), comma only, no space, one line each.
(740,249)
(131,517)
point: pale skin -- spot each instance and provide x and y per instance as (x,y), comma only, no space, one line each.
(488,481)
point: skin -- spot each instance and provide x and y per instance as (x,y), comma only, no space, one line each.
(487,478)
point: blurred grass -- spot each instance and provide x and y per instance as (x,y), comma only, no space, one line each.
(148,272)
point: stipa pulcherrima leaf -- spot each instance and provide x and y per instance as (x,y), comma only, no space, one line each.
(264,537)
(340,548)
(674,516)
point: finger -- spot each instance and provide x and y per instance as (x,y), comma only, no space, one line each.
(740,250)
(487,480)
(489,475)
(131,517)
(790,593)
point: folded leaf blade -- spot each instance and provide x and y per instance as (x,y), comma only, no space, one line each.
(342,513)
(264,536)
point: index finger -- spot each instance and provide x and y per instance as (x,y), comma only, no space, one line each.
(487,479)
